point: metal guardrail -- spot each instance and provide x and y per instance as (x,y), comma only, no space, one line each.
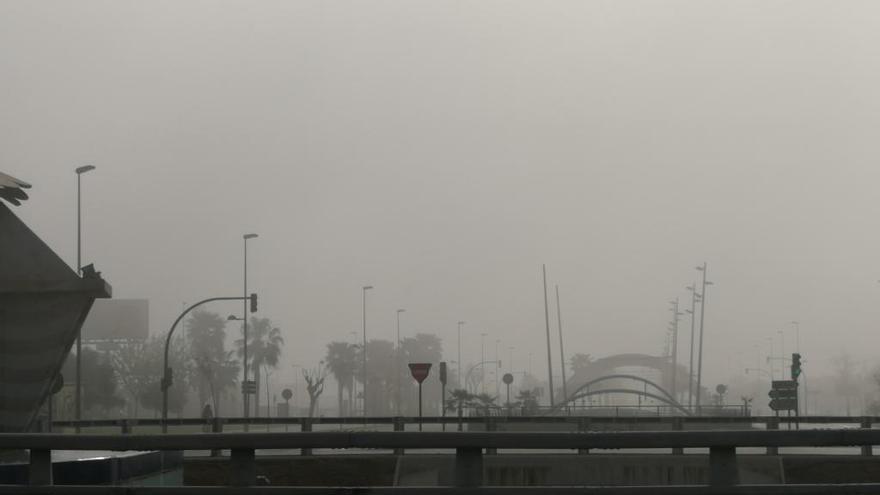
(468,447)
(452,420)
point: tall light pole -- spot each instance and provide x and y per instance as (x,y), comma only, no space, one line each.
(245,391)
(702,319)
(79,172)
(364,398)
(782,351)
(397,374)
(497,369)
(482,359)
(695,296)
(675,315)
(547,326)
(510,358)
(460,376)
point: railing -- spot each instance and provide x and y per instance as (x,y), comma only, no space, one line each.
(769,422)
(468,448)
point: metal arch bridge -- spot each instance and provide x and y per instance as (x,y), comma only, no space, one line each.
(584,391)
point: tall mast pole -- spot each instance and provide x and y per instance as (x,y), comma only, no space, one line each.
(693,312)
(702,319)
(547,325)
(561,348)
(675,315)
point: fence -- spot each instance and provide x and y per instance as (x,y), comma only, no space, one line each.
(682,422)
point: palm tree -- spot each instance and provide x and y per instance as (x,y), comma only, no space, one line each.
(484,403)
(528,400)
(458,400)
(264,350)
(342,360)
(215,368)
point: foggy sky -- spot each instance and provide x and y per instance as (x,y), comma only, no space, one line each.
(442,151)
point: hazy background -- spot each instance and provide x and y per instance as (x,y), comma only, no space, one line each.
(441,151)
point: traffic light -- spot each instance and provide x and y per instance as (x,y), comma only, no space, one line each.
(795,366)
(253,303)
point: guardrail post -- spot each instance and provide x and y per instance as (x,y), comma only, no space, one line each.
(491,425)
(216,427)
(40,467)
(677,425)
(306,425)
(243,471)
(399,425)
(722,466)
(773,424)
(468,466)
(583,427)
(867,450)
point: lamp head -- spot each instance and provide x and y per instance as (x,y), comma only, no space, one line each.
(250,236)
(368,287)
(84,169)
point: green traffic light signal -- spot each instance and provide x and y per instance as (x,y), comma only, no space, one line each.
(795,366)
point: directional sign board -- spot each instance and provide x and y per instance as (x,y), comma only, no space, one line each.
(784,396)
(249,387)
(419,371)
(783,404)
(785,384)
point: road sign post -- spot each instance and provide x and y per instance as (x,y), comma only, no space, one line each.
(507,379)
(784,396)
(420,371)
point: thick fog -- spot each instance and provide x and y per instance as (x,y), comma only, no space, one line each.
(443,151)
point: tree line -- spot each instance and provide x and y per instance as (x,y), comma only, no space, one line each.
(122,379)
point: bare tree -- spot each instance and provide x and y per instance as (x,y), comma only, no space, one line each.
(314,385)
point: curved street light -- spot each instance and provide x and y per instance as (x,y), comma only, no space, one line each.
(167,372)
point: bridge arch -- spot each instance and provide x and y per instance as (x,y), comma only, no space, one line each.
(624,376)
(656,397)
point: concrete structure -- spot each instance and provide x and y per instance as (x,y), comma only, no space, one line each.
(43,304)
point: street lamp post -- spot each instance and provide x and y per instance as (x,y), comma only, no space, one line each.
(397,374)
(482,359)
(770,356)
(246,396)
(364,398)
(695,296)
(782,351)
(79,172)
(675,315)
(497,369)
(702,319)
(167,374)
(459,364)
